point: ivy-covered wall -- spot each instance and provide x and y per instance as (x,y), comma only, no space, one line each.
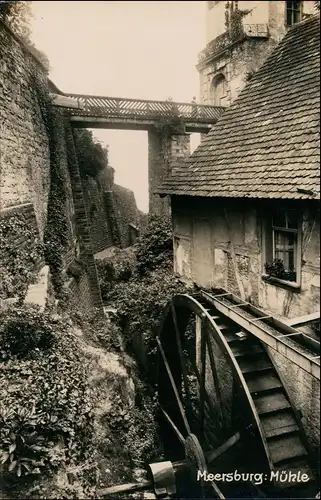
(21,252)
(126,213)
(99,222)
(111,209)
(39,168)
(24,144)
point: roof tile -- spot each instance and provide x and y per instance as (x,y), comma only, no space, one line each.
(266,145)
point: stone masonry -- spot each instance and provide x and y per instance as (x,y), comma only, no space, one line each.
(25,169)
(24,149)
(165,153)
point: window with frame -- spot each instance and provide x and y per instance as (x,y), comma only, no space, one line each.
(293,12)
(282,246)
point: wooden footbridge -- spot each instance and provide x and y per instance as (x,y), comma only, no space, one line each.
(92,111)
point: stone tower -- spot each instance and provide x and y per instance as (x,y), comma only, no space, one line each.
(239,36)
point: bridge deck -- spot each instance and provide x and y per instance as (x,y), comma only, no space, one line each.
(119,113)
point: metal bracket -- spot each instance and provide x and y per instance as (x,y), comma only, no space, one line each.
(164,478)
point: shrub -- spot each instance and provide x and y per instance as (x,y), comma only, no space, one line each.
(44,385)
(18,263)
(121,266)
(92,156)
(155,246)
(95,327)
(140,303)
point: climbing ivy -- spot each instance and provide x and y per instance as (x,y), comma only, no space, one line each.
(18,261)
(236,28)
(91,155)
(234,32)
(46,408)
(56,232)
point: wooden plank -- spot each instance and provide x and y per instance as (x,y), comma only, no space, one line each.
(203,375)
(286,447)
(304,320)
(284,346)
(271,402)
(264,383)
(125,488)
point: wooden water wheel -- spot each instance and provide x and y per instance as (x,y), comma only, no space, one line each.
(216,380)
(228,427)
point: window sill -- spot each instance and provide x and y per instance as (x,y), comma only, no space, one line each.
(288,285)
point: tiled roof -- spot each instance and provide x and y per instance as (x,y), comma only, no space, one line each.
(266,145)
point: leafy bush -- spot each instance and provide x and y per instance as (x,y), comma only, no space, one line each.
(17,14)
(44,384)
(106,275)
(23,332)
(17,264)
(140,303)
(155,246)
(95,327)
(136,429)
(92,156)
(121,266)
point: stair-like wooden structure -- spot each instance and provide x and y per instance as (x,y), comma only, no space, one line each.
(281,427)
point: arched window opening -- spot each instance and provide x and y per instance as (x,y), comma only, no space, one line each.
(219,90)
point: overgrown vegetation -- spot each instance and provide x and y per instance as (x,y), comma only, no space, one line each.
(155,247)
(17,15)
(141,299)
(56,237)
(18,260)
(140,303)
(92,156)
(69,419)
(46,408)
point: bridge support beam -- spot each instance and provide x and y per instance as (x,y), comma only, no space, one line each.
(166,151)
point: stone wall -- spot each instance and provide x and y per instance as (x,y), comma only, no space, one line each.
(99,220)
(165,152)
(236,65)
(203,254)
(28,173)
(24,146)
(126,213)
(238,57)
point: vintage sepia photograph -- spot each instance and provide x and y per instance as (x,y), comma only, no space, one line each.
(159,249)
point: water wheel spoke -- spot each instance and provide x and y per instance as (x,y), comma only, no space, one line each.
(198,376)
(215,378)
(180,352)
(175,390)
(212,455)
(174,427)
(202,377)
(217,490)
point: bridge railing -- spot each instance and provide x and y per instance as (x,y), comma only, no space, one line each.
(118,107)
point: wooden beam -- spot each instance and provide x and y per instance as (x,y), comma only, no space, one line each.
(290,349)
(303,320)
(122,488)
(212,455)
(65,102)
